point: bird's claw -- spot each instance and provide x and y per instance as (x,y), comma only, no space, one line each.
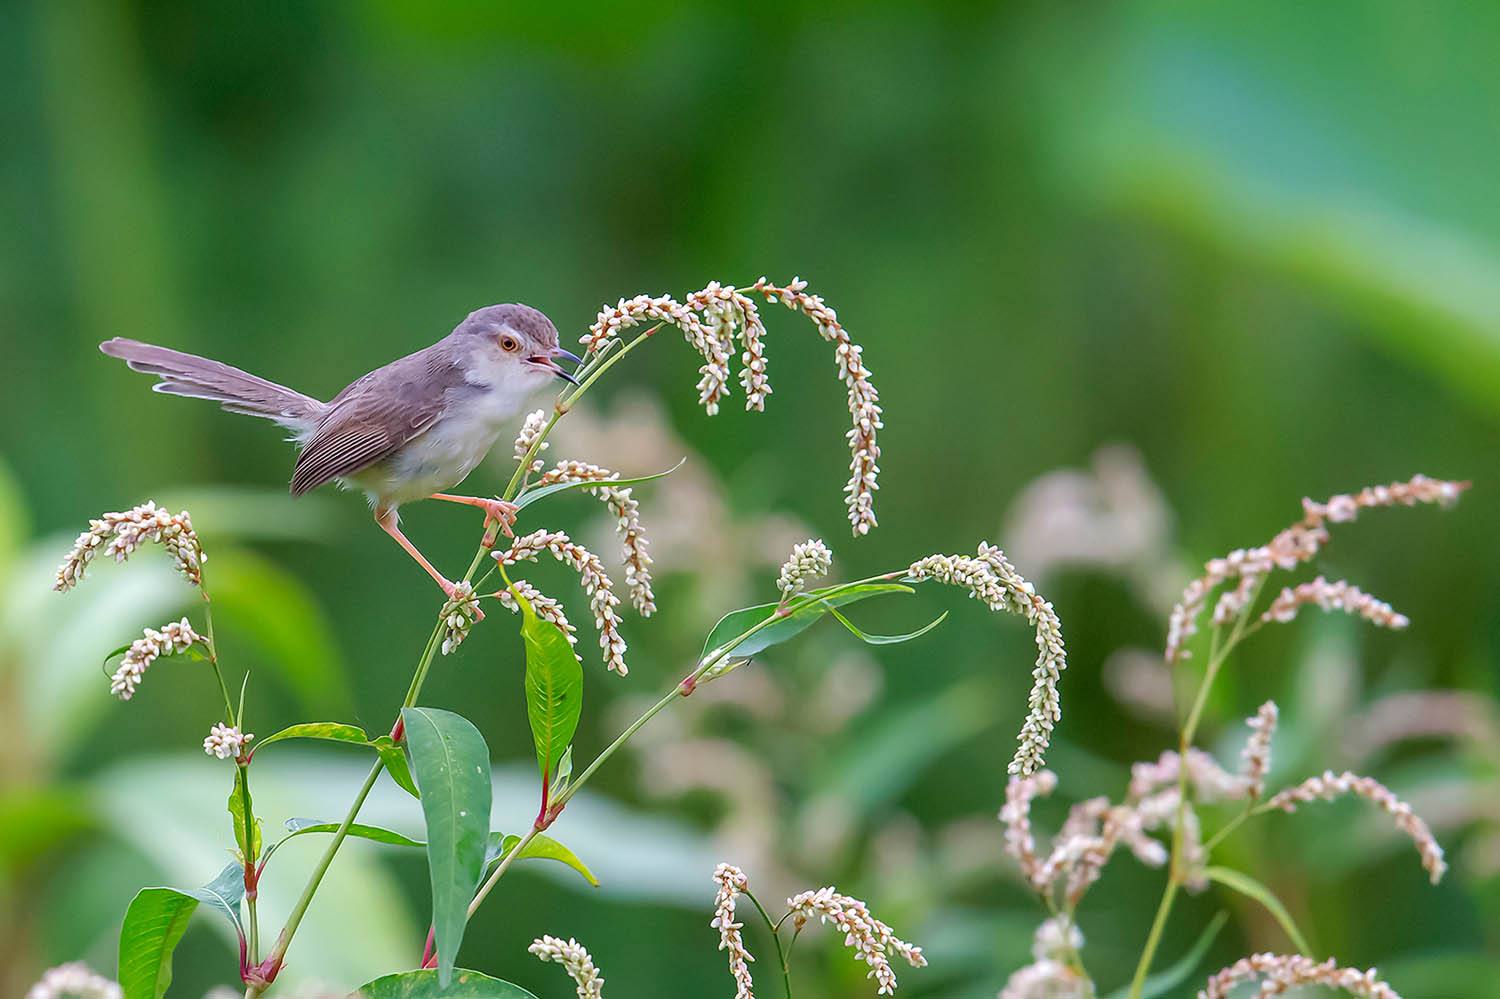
(498,511)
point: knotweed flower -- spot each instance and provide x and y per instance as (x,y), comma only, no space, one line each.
(596,583)
(226,742)
(992,580)
(627,514)
(713,345)
(120,534)
(864,407)
(1292,547)
(872,940)
(810,559)
(73,981)
(532,429)
(174,637)
(459,615)
(1047,980)
(1257,754)
(732,883)
(575,961)
(1331,785)
(1282,972)
(1020,843)
(726,310)
(1209,780)
(546,608)
(1335,596)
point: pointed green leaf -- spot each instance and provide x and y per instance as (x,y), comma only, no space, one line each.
(452,767)
(541,847)
(886,639)
(239,806)
(1251,888)
(377,834)
(532,495)
(394,758)
(736,623)
(329,731)
(156,921)
(424,985)
(554,688)
(1169,978)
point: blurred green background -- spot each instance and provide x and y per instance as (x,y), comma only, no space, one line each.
(1245,252)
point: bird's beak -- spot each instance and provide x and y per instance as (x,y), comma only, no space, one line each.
(543,361)
(567,355)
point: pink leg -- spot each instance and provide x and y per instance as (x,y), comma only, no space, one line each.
(496,511)
(389,524)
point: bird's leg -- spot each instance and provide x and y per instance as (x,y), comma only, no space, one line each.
(390,524)
(496,511)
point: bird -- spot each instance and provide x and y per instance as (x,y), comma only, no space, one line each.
(404,432)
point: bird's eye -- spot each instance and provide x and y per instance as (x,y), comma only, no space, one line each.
(509,344)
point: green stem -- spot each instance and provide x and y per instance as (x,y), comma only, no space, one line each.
(499,871)
(786,970)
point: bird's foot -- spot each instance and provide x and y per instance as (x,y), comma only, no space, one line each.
(498,511)
(453,592)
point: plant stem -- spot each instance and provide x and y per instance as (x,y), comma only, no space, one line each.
(786,970)
(499,871)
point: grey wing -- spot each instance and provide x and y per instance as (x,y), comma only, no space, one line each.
(375,417)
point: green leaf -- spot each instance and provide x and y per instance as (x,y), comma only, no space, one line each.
(452,766)
(239,795)
(328,731)
(1251,888)
(541,847)
(395,764)
(1169,978)
(887,639)
(425,985)
(377,834)
(736,623)
(532,495)
(554,688)
(156,921)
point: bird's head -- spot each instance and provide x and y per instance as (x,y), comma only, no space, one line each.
(517,338)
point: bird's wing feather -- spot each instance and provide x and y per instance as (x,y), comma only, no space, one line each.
(376,416)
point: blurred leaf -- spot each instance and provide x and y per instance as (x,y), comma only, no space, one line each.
(37,820)
(1169,978)
(425,985)
(887,639)
(14,523)
(736,623)
(452,766)
(1251,888)
(1473,976)
(239,796)
(358,830)
(331,731)
(532,495)
(395,764)
(156,921)
(541,847)
(554,688)
(259,600)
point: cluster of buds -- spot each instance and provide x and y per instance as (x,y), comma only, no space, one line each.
(175,636)
(546,609)
(576,962)
(990,578)
(120,534)
(1052,973)
(74,981)
(810,559)
(226,742)
(459,615)
(526,439)
(627,514)
(1335,596)
(1257,754)
(871,939)
(596,583)
(1329,785)
(732,883)
(1280,973)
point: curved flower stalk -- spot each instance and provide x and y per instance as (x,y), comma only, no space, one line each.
(1329,785)
(1280,972)
(871,939)
(993,581)
(1292,547)
(120,534)
(732,883)
(1257,753)
(1335,596)
(627,514)
(546,608)
(576,962)
(810,559)
(709,321)
(596,583)
(174,636)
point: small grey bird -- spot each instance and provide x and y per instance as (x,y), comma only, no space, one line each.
(402,432)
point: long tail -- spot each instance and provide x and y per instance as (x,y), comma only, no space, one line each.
(199,378)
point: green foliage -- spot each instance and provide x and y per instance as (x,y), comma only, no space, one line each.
(1169,978)
(737,623)
(156,921)
(427,985)
(554,688)
(530,496)
(1251,888)
(541,847)
(241,808)
(452,766)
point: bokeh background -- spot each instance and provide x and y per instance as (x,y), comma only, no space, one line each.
(1132,279)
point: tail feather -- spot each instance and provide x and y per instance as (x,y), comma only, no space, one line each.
(200,378)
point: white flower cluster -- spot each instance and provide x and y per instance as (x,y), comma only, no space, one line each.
(74,981)
(120,534)
(596,583)
(1257,754)
(871,939)
(459,615)
(175,636)
(1280,973)
(810,559)
(535,423)
(712,344)
(1335,596)
(627,514)
(731,881)
(1292,547)
(1330,785)
(992,580)
(226,742)
(546,608)
(1049,975)
(575,961)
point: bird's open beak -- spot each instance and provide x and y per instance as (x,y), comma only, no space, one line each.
(544,361)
